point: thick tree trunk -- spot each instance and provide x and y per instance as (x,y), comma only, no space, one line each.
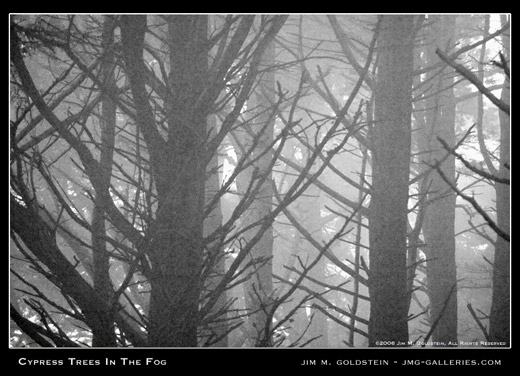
(391,141)
(177,253)
(499,320)
(499,324)
(439,221)
(103,334)
(179,172)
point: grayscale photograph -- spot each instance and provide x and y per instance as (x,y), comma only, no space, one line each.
(325,181)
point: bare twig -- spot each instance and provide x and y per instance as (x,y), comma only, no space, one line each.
(469,166)
(441,313)
(477,320)
(473,203)
(470,76)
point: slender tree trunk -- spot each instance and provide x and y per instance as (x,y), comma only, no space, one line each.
(439,221)
(215,258)
(299,320)
(310,219)
(357,249)
(103,334)
(259,288)
(499,320)
(390,175)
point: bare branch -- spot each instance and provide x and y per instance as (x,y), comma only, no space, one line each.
(473,203)
(476,170)
(470,76)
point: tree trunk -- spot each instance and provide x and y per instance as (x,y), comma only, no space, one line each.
(215,258)
(103,334)
(499,320)
(310,219)
(390,175)
(439,221)
(179,172)
(259,288)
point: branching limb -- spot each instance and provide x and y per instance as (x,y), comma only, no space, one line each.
(471,77)
(473,203)
(469,166)
(479,323)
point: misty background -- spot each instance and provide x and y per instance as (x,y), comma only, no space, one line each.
(259,180)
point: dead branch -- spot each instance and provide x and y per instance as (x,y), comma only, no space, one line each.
(479,323)
(469,166)
(473,203)
(471,77)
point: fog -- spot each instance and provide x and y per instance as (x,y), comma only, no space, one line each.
(259,180)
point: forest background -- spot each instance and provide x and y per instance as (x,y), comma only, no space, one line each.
(259,180)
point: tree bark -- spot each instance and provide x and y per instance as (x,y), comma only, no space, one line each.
(439,221)
(103,335)
(176,288)
(259,288)
(179,171)
(215,257)
(499,320)
(390,178)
